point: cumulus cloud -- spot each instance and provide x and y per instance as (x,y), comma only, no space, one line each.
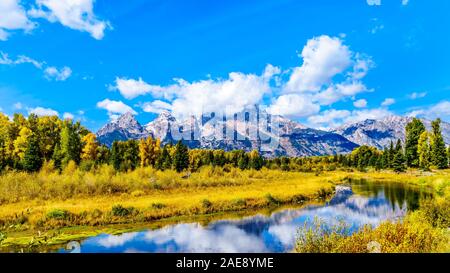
(115,108)
(52,73)
(417,95)
(212,95)
(329,72)
(333,118)
(68,116)
(41,111)
(78,15)
(131,88)
(329,118)
(13,17)
(439,110)
(388,102)
(156,106)
(323,58)
(293,105)
(362,103)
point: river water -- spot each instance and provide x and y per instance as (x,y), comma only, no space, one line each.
(357,205)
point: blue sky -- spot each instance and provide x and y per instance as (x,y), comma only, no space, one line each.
(323,63)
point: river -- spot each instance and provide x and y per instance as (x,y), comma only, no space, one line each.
(357,205)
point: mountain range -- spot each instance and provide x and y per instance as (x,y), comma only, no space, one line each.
(295,139)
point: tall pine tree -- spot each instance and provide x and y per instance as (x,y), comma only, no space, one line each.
(181,157)
(438,150)
(398,162)
(32,160)
(413,131)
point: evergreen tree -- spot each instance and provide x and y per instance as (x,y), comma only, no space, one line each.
(130,155)
(448,155)
(438,150)
(243,162)
(165,161)
(390,155)
(413,131)
(116,159)
(255,161)
(181,157)
(398,162)
(57,156)
(423,150)
(70,141)
(32,160)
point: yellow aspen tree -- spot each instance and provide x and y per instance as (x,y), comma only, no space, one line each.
(21,143)
(90,148)
(144,152)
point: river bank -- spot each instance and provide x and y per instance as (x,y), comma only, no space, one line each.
(145,196)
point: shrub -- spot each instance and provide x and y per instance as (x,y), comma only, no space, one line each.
(58,214)
(158,205)
(413,235)
(239,202)
(206,203)
(436,213)
(87,165)
(137,193)
(119,210)
(271,200)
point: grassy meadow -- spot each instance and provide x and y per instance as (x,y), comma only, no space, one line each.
(51,207)
(44,201)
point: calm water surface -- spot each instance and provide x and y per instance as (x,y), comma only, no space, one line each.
(360,204)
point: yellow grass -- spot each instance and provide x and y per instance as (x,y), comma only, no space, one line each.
(28,200)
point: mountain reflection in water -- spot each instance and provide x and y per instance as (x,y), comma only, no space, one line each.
(361,204)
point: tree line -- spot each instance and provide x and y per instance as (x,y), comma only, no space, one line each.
(28,143)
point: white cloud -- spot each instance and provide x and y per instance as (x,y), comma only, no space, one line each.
(405,2)
(361,66)
(377,28)
(115,108)
(374,2)
(334,118)
(212,95)
(360,115)
(388,102)
(52,73)
(21,59)
(323,58)
(293,105)
(18,106)
(330,72)
(156,106)
(78,15)
(13,17)
(439,110)
(40,111)
(68,116)
(417,95)
(130,88)
(362,103)
(328,119)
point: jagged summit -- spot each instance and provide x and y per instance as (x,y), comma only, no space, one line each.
(295,139)
(123,128)
(379,133)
